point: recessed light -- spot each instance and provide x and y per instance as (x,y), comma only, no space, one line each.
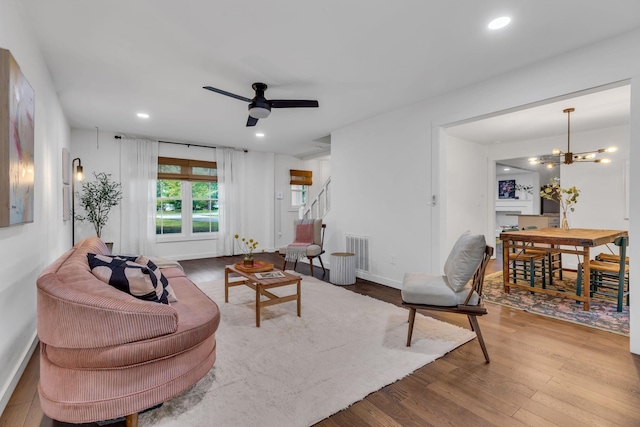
(143,115)
(260,135)
(506,169)
(498,23)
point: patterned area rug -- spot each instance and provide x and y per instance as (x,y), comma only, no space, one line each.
(601,315)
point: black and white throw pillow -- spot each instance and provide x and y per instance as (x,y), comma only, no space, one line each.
(126,275)
(143,260)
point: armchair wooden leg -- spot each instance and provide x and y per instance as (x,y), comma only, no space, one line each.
(476,327)
(412,318)
(132,420)
(284,265)
(311,265)
(322,265)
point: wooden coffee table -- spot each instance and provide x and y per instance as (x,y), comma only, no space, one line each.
(261,287)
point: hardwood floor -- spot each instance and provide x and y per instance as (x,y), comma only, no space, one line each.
(543,372)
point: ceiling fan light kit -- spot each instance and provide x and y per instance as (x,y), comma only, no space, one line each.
(260,107)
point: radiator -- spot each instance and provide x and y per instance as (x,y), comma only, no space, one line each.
(359,245)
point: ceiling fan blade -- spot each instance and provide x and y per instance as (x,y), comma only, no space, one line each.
(224,92)
(292,103)
(251,121)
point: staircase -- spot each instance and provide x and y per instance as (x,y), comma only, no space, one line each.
(318,207)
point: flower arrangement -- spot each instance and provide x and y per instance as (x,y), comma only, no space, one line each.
(527,189)
(565,197)
(247,246)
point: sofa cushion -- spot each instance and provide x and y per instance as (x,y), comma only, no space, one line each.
(127,276)
(463,260)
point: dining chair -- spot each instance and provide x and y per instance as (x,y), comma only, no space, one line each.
(452,292)
(609,278)
(528,264)
(553,259)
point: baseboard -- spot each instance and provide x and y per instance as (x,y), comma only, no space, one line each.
(379,280)
(18,370)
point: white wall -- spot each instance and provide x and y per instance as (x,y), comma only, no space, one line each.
(27,249)
(395,150)
(466,194)
(381,188)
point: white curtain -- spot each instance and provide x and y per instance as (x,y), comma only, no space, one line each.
(230,165)
(138,172)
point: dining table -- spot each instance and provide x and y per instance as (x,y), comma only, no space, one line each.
(577,241)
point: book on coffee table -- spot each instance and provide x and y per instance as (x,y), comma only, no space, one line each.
(269,275)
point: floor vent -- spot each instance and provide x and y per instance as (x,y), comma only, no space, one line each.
(359,245)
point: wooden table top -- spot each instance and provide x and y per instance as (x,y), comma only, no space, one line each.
(572,237)
(270,281)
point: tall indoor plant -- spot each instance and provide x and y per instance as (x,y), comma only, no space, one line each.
(97,197)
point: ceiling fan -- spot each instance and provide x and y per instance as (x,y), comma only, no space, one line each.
(260,107)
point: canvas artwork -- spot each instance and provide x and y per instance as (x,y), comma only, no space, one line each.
(17,143)
(507,189)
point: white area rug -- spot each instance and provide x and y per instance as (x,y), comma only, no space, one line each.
(296,371)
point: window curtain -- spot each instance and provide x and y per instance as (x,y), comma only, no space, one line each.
(230,163)
(138,172)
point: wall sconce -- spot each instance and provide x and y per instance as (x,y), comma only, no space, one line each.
(78,174)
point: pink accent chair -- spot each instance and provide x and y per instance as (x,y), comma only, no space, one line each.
(105,354)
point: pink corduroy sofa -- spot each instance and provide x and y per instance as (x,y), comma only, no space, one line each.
(105,354)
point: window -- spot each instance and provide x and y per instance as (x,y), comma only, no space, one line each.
(187,198)
(204,214)
(169,207)
(300,180)
(298,195)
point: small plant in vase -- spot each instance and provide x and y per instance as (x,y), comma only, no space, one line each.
(247,246)
(565,197)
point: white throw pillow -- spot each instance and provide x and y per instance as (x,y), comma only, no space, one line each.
(464,260)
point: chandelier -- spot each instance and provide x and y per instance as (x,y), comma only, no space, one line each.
(558,157)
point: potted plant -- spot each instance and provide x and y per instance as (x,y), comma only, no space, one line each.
(97,197)
(247,246)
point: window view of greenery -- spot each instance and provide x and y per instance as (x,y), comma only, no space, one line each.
(169,207)
(204,197)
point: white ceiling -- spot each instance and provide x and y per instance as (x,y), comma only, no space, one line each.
(358,58)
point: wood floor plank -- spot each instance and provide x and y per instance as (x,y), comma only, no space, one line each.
(15,415)
(372,415)
(533,420)
(584,417)
(598,404)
